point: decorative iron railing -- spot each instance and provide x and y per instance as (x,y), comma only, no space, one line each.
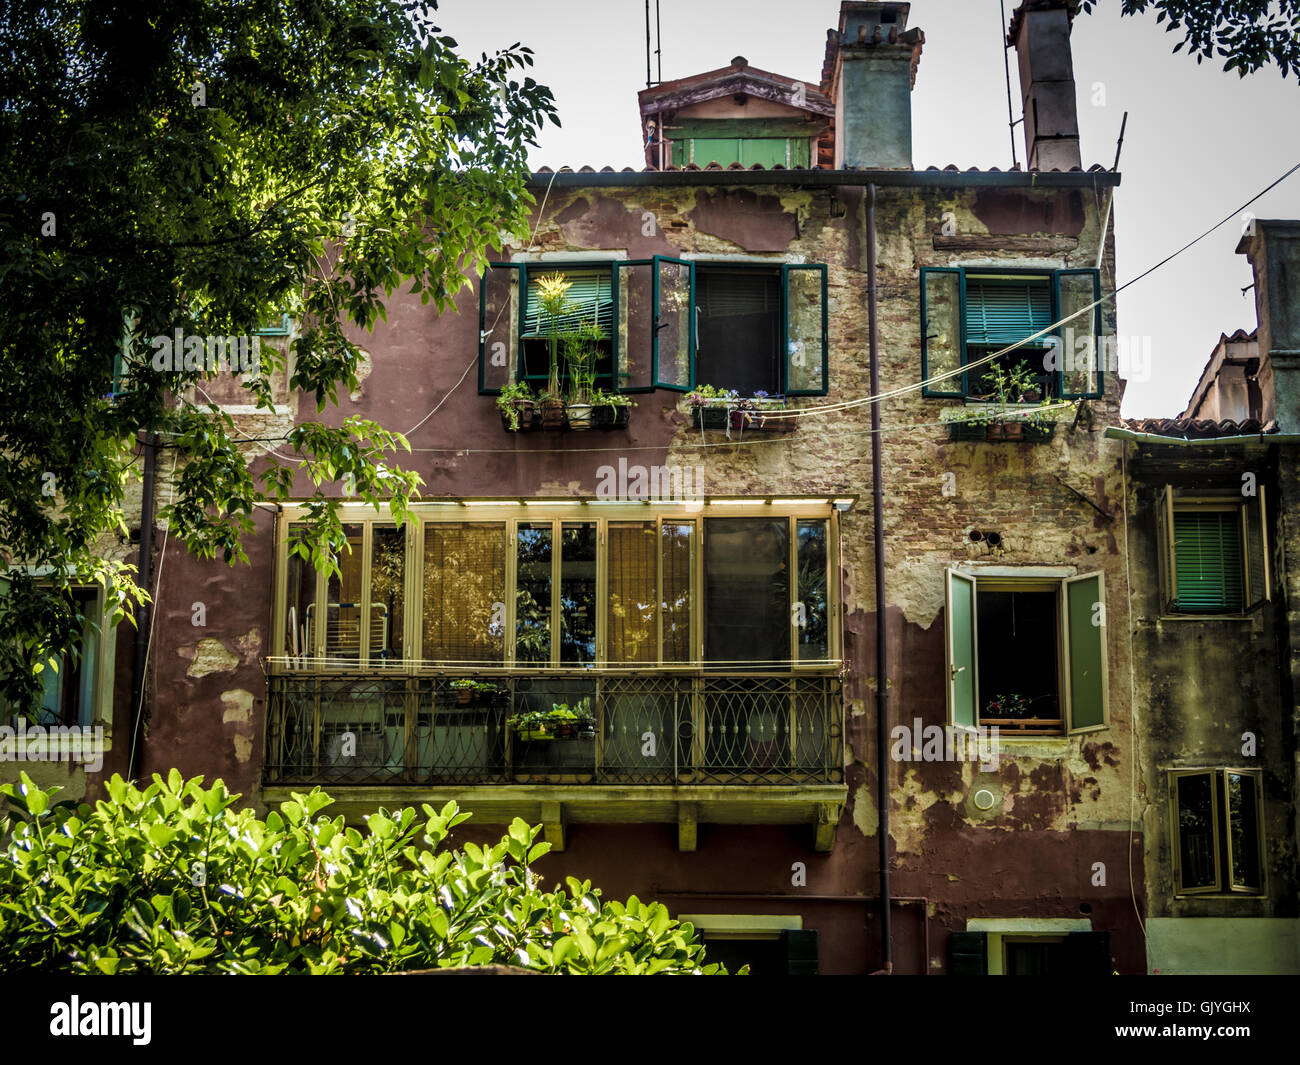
(663,728)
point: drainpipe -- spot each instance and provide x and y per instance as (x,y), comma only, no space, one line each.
(144,578)
(882,640)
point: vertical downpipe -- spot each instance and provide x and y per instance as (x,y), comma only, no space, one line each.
(882,640)
(144,578)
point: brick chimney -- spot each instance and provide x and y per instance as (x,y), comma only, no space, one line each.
(1273,248)
(1040,34)
(873,59)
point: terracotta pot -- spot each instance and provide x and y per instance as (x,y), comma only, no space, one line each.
(994,431)
(1013,431)
(552,414)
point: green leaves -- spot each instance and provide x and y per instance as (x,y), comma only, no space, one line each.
(113,889)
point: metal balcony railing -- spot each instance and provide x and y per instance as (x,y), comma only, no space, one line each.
(663,728)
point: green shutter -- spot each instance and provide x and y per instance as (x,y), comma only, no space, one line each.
(968,954)
(1207,559)
(1255,517)
(960,621)
(999,311)
(1166,570)
(941,340)
(591,299)
(800,951)
(1085,619)
(498,326)
(806,321)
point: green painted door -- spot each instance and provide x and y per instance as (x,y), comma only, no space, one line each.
(960,616)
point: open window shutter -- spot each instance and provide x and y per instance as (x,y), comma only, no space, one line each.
(1255,531)
(498,327)
(674,327)
(968,954)
(942,349)
(998,312)
(960,620)
(1168,571)
(1208,560)
(800,951)
(634,337)
(806,369)
(1082,375)
(1088,953)
(1085,628)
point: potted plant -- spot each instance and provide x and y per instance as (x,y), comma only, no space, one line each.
(554,299)
(517,407)
(1007,707)
(531,725)
(473,691)
(711,406)
(580,352)
(610,410)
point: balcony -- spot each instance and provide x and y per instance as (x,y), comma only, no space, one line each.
(666,746)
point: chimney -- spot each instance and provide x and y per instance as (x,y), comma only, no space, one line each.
(1273,248)
(1040,33)
(875,60)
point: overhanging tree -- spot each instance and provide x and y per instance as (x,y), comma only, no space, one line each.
(1246,34)
(203,166)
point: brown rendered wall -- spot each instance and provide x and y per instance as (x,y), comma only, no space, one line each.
(1066,803)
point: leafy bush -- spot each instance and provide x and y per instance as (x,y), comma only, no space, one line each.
(174,879)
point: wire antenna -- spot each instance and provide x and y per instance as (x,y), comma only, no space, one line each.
(1006,66)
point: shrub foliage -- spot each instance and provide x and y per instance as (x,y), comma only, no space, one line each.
(175,879)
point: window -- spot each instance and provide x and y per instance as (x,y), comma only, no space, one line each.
(1213,551)
(671,324)
(355,616)
(968,314)
(78,686)
(749,142)
(1026,655)
(570,587)
(1013,953)
(1218,831)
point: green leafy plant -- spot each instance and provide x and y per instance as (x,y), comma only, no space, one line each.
(1007,706)
(581,346)
(174,879)
(510,397)
(553,297)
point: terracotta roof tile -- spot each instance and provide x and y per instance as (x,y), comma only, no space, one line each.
(1199,428)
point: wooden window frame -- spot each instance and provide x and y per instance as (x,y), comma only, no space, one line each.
(1171,501)
(1222,836)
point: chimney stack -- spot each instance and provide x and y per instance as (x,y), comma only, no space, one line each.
(1273,248)
(875,60)
(1040,34)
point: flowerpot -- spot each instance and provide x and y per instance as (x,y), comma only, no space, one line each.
(994,431)
(463,696)
(579,416)
(610,416)
(552,414)
(710,417)
(525,409)
(1040,432)
(1013,431)
(967,431)
(622,415)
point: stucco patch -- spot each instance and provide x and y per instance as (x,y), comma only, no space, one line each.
(865,815)
(243,748)
(211,656)
(238,705)
(250,643)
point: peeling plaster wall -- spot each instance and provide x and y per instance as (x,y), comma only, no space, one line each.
(1065,803)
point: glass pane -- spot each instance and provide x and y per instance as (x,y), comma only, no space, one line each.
(533,593)
(343,600)
(387,591)
(578,592)
(747,591)
(630,618)
(811,609)
(943,329)
(1079,354)
(300,605)
(805,333)
(635,325)
(501,324)
(738,329)
(674,324)
(676,542)
(1196,831)
(464,592)
(1243,830)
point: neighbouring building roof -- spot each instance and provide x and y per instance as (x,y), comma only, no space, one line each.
(1198,428)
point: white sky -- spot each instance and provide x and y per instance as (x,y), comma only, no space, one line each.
(1200,142)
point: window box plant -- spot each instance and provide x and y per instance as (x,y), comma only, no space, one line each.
(517,406)
(469,691)
(580,352)
(1012,408)
(610,410)
(725,410)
